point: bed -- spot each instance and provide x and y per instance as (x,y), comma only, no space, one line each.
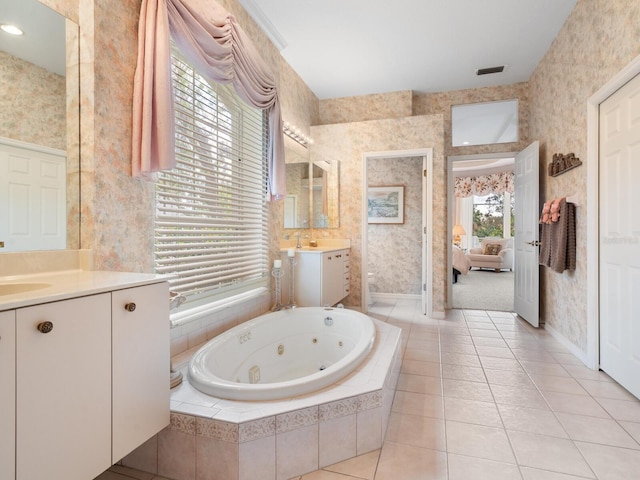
(460,263)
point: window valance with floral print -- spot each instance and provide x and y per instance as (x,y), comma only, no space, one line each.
(497,183)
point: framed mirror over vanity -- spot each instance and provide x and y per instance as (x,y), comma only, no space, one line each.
(313,187)
(39,129)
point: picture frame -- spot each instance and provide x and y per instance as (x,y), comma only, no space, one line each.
(385,204)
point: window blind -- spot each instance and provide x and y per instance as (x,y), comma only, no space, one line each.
(211,215)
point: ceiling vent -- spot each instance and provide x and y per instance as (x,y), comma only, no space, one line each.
(487,71)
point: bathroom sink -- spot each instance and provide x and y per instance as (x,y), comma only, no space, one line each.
(14,288)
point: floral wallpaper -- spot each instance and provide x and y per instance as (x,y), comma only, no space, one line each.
(347,142)
(483,185)
(598,39)
(394,250)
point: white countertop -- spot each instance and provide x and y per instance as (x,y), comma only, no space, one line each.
(307,249)
(67,284)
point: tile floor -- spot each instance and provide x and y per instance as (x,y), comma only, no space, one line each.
(482,395)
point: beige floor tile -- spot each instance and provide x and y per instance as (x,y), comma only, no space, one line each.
(420,384)
(406,462)
(611,463)
(415,342)
(466,348)
(496,363)
(531,420)
(576,404)
(421,404)
(529,473)
(471,411)
(424,432)
(110,475)
(479,441)
(490,342)
(469,390)
(488,325)
(551,383)
(463,372)
(537,354)
(325,475)
(632,428)
(549,453)
(451,337)
(131,473)
(544,368)
(479,332)
(500,352)
(580,371)
(466,468)
(422,355)
(460,359)
(606,390)
(506,377)
(567,359)
(628,411)
(362,466)
(603,431)
(521,397)
(416,367)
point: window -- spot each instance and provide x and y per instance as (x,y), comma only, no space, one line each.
(488,215)
(211,214)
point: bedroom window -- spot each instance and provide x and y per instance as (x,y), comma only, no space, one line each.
(489,215)
(211,213)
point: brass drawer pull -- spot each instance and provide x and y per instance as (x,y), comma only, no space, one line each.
(130,307)
(45,327)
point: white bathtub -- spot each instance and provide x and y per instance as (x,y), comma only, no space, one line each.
(283,354)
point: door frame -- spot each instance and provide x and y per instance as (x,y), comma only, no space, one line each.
(427,213)
(593,203)
(450,207)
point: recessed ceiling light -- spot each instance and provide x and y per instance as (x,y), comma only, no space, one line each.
(11,29)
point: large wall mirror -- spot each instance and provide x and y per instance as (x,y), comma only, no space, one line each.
(313,187)
(39,129)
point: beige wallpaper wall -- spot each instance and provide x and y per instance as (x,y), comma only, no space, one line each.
(33,103)
(348,142)
(394,251)
(599,38)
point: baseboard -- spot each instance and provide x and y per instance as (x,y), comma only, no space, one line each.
(579,354)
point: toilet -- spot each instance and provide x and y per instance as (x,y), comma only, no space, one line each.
(370,280)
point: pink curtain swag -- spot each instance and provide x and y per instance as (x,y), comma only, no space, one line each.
(209,37)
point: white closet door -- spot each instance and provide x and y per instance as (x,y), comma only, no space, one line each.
(620,236)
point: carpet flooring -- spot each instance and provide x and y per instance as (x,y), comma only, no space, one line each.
(484,290)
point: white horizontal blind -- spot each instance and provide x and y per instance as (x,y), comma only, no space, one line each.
(211,218)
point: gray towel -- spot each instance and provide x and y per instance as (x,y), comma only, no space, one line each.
(558,250)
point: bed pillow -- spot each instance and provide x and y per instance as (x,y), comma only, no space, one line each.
(492,249)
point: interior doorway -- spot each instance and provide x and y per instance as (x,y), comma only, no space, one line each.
(481,217)
(405,173)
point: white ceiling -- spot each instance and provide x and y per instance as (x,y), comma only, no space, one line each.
(344,48)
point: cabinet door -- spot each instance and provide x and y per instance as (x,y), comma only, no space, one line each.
(7,394)
(332,278)
(141,366)
(63,389)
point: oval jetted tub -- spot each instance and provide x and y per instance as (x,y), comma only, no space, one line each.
(283,354)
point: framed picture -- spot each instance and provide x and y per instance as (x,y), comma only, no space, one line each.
(385,204)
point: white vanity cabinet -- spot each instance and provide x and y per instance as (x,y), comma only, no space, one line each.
(63,390)
(319,277)
(141,364)
(7,394)
(91,377)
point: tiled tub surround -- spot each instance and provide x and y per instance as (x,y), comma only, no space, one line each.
(211,438)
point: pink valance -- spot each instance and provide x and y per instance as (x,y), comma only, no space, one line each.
(211,40)
(497,183)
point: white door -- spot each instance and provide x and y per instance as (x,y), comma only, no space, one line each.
(32,198)
(526,236)
(426,284)
(619,140)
